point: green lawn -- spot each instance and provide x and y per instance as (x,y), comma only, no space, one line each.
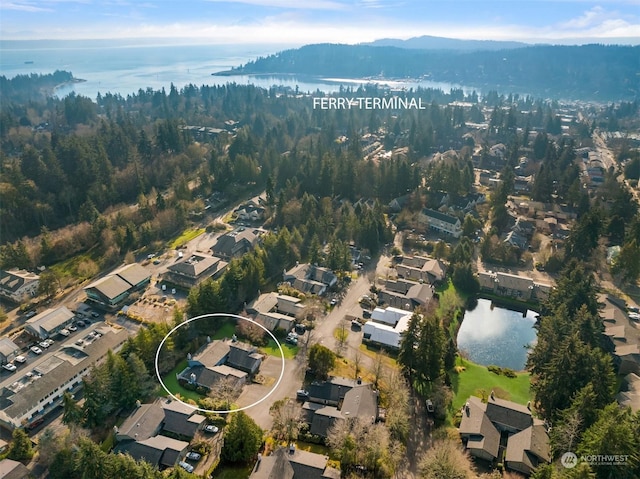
(271,349)
(172,383)
(227,330)
(232,472)
(475,379)
(187,235)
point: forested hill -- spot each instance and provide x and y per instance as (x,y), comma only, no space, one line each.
(588,72)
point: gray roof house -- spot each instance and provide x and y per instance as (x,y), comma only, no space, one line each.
(111,291)
(442,223)
(181,419)
(310,278)
(221,359)
(10,469)
(336,400)
(421,268)
(18,284)
(160,451)
(49,322)
(484,424)
(291,463)
(143,423)
(406,295)
(8,350)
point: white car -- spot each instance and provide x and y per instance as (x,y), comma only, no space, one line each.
(65,332)
(211,428)
(194,456)
(186,466)
(9,367)
(36,350)
(20,359)
(44,344)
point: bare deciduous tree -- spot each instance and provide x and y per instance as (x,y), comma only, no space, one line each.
(286,420)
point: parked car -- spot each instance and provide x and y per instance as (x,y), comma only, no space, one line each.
(73,328)
(302,395)
(81,324)
(95,314)
(366,313)
(194,456)
(333,302)
(429,404)
(79,342)
(9,367)
(20,359)
(36,350)
(44,344)
(355,325)
(211,428)
(186,466)
(30,314)
(65,332)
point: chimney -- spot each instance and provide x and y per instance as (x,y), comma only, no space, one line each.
(359,380)
(493,396)
(529,405)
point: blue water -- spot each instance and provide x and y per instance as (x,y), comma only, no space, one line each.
(499,336)
(124,68)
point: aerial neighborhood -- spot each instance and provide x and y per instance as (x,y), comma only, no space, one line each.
(231,284)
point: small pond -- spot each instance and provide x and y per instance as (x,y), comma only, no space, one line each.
(490,334)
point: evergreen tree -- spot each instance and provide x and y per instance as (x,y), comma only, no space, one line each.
(242,439)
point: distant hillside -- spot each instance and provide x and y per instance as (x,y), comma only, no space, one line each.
(428,42)
(589,72)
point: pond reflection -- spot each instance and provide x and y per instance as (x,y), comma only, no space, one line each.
(496,335)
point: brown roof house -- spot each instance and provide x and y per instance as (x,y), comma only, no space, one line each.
(485,428)
(195,269)
(291,463)
(406,295)
(236,243)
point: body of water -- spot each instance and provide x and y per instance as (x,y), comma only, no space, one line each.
(495,335)
(124,68)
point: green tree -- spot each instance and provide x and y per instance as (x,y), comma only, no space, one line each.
(242,439)
(73,415)
(321,360)
(20,448)
(49,283)
(616,431)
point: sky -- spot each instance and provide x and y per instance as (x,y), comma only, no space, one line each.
(298,22)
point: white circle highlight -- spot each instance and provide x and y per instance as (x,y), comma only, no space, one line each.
(218,315)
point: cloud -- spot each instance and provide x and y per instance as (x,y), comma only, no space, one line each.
(23,7)
(290,4)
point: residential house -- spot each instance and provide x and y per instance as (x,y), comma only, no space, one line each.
(512,285)
(17,285)
(310,278)
(33,398)
(236,243)
(275,310)
(195,269)
(629,395)
(386,327)
(181,420)
(396,204)
(421,268)
(49,322)
(485,425)
(8,350)
(621,334)
(149,420)
(516,240)
(10,469)
(111,291)
(145,422)
(338,399)
(442,222)
(221,360)
(522,184)
(403,294)
(250,211)
(159,451)
(292,463)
